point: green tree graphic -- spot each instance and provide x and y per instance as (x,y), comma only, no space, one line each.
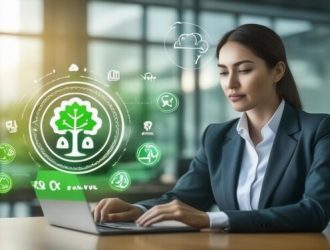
(75,116)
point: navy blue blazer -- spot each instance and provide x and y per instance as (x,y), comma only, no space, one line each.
(295,194)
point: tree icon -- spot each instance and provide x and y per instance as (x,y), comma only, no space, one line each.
(75,116)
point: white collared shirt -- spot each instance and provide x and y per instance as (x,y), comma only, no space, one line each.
(255,160)
(253,168)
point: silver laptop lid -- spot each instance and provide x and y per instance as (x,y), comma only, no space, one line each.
(69,214)
(63,202)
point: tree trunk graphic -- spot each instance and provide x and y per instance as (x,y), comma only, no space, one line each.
(75,152)
(75,132)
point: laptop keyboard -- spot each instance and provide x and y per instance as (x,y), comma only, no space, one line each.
(120,225)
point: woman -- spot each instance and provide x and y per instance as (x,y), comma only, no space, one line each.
(267,171)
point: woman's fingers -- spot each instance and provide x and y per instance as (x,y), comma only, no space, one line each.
(175,210)
(147,214)
(122,216)
(104,211)
(115,209)
(157,218)
(106,206)
(156,211)
(96,210)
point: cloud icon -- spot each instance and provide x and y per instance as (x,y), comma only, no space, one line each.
(73,68)
(191,41)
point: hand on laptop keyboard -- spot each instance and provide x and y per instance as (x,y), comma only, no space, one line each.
(115,209)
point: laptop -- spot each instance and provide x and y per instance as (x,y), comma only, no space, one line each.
(69,209)
(76,215)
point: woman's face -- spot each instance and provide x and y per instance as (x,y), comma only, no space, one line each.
(245,78)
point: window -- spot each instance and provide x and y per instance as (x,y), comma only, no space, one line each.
(20,49)
(21,57)
(107,19)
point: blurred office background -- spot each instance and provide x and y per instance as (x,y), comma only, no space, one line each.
(37,36)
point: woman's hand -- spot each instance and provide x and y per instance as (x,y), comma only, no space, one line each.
(114,209)
(175,210)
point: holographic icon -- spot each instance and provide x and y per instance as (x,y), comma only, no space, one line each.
(7,153)
(6,183)
(77,127)
(75,116)
(148,154)
(192,41)
(148,76)
(147,125)
(167,102)
(120,181)
(113,75)
(11,126)
(186,44)
(73,68)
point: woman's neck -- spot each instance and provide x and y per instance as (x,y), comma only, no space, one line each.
(258,118)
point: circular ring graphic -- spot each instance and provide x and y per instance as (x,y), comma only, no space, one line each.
(148,154)
(120,181)
(6,183)
(7,153)
(77,127)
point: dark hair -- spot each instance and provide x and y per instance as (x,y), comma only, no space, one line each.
(267,45)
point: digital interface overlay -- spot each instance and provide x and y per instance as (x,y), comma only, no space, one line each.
(80,122)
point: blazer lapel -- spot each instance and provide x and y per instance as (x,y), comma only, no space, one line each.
(230,165)
(281,153)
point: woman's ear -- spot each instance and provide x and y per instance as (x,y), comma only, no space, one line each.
(279,71)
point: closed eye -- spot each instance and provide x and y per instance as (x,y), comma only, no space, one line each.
(245,71)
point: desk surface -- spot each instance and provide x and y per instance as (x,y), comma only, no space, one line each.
(35,233)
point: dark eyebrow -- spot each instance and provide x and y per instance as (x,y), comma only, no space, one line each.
(236,63)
